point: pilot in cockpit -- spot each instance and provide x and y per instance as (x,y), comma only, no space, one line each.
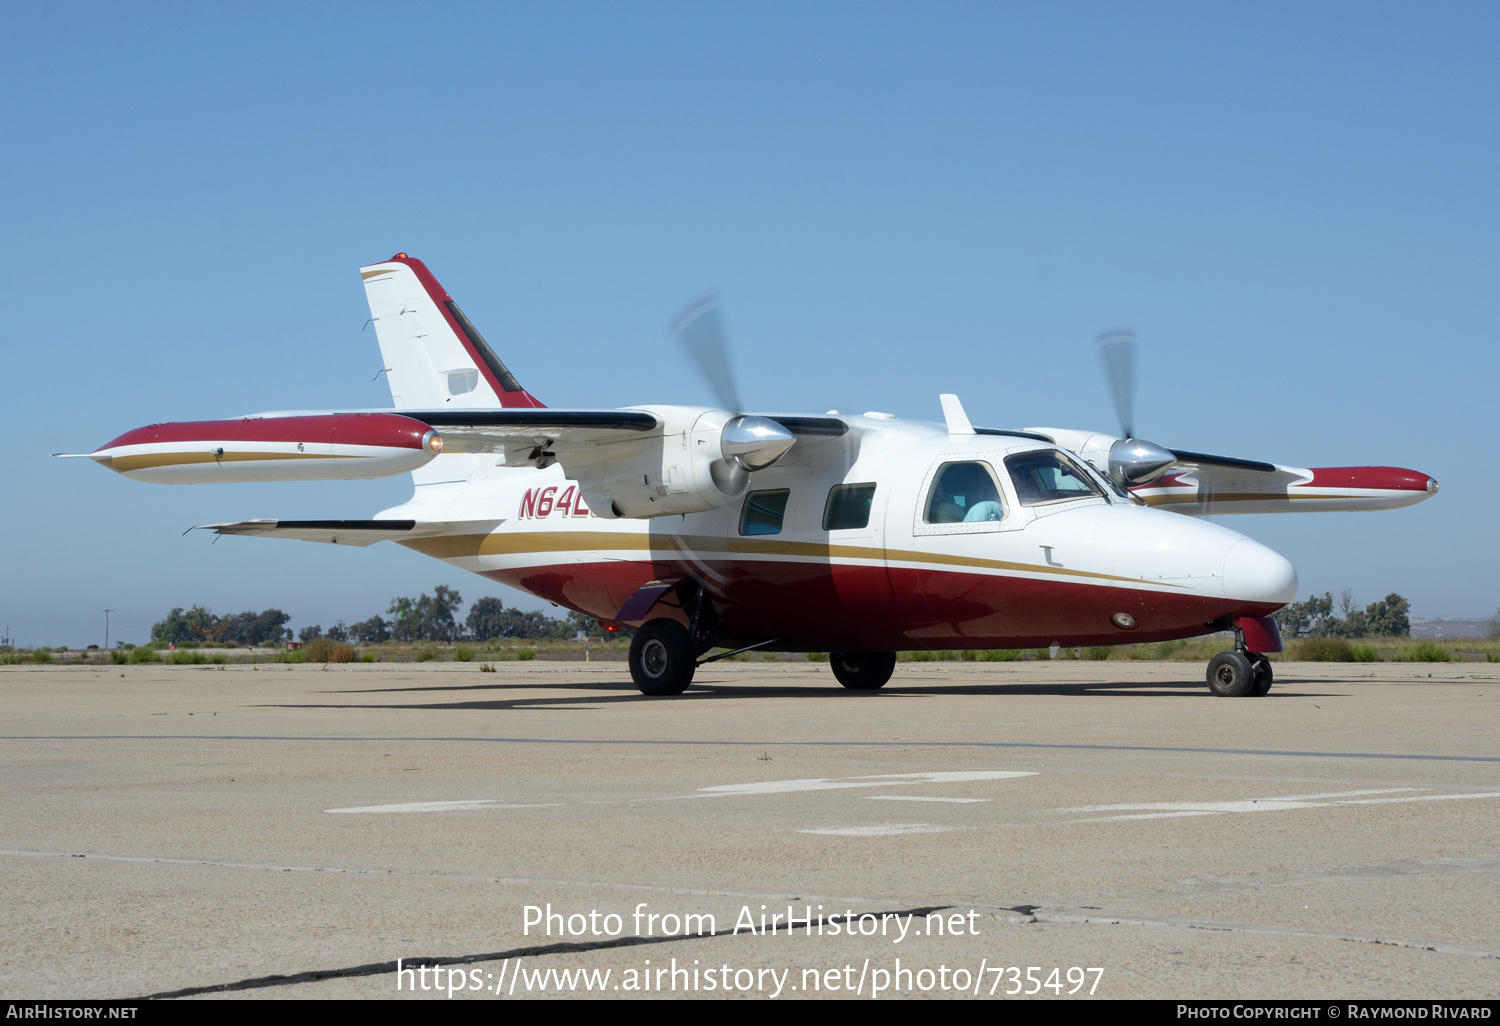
(964,493)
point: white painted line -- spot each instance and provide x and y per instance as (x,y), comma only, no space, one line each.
(460,806)
(1241,805)
(951,778)
(1346,794)
(878,780)
(1168,810)
(1147,815)
(918,798)
(1422,798)
(883,830)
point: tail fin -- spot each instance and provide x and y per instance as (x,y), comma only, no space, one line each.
(434,358)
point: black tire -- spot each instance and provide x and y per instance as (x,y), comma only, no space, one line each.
(1260,676)
(1230,675)
(862,671)
(661,658)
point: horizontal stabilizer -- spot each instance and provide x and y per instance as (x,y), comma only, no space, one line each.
(350,532)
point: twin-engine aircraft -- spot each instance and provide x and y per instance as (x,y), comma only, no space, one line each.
(704,528)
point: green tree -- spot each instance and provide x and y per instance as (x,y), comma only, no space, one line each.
(1306,618)
(1388,617)
(437,613)
(404,623)
(180,627)
(267,627)
(489,618)
(369,632)
(428,617)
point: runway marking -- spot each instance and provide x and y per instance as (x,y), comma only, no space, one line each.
(883,830)
(876,780)
(918,798)
(1172,810)
(780,743)
(456,806)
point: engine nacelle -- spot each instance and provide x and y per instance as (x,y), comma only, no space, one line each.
(701,461)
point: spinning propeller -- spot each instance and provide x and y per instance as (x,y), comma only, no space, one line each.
(748,443)
(1132,461)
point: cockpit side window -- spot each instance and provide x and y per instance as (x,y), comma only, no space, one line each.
(1046,475)
(964,493)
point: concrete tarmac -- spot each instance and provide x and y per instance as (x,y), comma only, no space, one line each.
(293,831)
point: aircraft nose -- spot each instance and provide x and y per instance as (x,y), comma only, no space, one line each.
(1254,573)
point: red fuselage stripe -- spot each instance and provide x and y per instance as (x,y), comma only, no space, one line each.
(822,606)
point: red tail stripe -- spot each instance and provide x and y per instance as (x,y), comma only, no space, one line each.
(509,400)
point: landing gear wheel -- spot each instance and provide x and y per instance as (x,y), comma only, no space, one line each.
(1230,675)
(661,658)
(1260,676)
(862,671)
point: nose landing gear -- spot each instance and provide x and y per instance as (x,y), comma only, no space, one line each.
(1241,673)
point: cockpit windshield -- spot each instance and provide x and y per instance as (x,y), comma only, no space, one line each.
(1046,475)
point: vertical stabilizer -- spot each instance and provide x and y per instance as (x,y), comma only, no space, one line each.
(434,358)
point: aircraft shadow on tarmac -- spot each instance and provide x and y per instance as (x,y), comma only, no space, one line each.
(596,693)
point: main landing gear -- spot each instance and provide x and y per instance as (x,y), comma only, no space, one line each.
(1239,674)
(661,658)
(862,671)
(664,654)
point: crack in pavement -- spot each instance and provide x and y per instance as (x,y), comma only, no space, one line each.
(561,948)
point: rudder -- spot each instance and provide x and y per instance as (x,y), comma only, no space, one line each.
(434,357)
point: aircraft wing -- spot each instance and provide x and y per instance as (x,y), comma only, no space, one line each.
(1200,484)
(525,435)
(518,431)
(639,462)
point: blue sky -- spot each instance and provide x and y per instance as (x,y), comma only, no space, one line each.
(1293,204)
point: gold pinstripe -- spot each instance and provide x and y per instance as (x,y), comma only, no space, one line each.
(532,543)
(125,464)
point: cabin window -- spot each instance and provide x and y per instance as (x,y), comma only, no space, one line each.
(848,507)
(1046,475)
(764,511)
(964,493)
